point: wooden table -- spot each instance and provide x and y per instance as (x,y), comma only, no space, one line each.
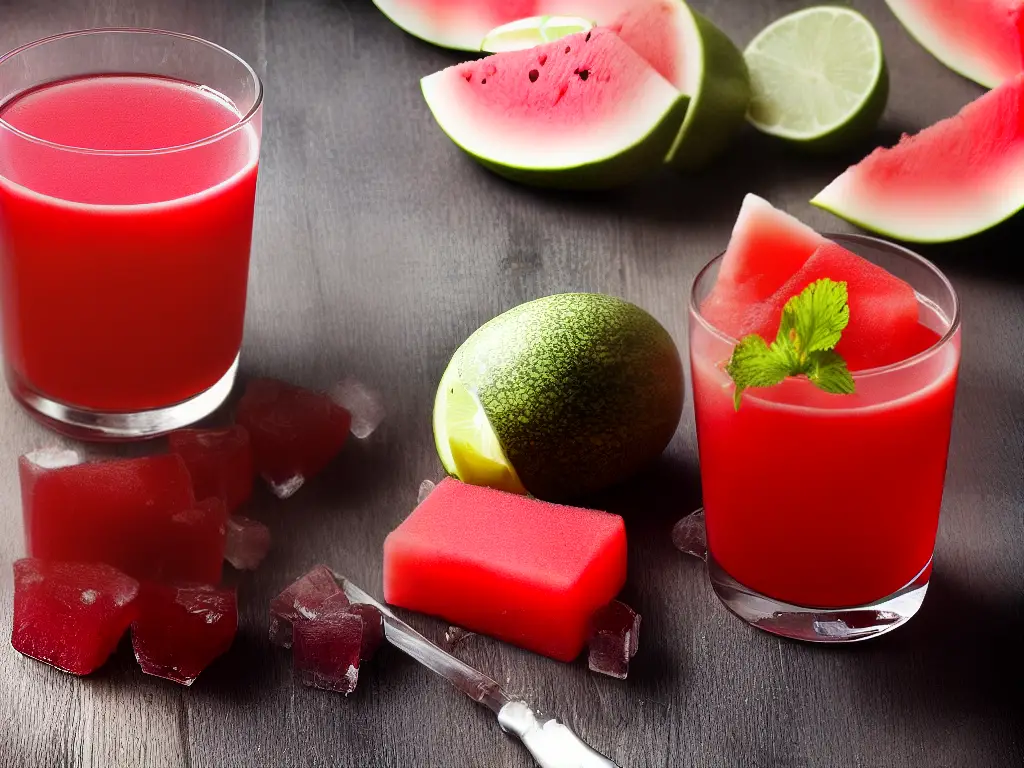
(378,249)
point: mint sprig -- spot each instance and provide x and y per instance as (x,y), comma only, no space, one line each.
(812,324)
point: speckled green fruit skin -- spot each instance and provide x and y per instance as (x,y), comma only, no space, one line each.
(582,390)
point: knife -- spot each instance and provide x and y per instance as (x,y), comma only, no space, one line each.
(552,744)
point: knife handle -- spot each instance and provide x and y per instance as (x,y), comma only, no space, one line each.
(552,744)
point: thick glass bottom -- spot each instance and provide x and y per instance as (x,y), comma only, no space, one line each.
(819,625)
(102,426)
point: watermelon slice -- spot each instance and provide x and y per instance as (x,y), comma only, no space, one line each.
(981,39)
(583,112)
(955,179)
(767,247)
(522,570)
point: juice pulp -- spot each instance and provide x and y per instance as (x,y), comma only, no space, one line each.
(824,500)
(123,275)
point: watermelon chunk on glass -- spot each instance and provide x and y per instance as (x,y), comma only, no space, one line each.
(524,571)
(295,432)
(128,513)
(219,462)
(180,630)
(71,615)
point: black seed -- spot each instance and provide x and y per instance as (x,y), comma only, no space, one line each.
(567,49)
(484,81)
(534,74)
(587,40)
(584,74)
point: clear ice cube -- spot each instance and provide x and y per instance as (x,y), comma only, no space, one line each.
(426,487)
(689,537)
(363,403)
(614,639)
(247,543)
(54,457)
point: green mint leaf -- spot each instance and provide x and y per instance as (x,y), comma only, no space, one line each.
(755,364)
(812,324)
(828,371)
(816,318)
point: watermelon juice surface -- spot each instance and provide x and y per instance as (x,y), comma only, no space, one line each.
(821,500)
(123,263)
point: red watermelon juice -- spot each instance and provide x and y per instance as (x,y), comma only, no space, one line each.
(124,283)
(823,500)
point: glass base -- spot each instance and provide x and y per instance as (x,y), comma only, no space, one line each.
(100,426)
(819,625)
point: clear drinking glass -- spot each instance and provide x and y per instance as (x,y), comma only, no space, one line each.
(821,510)
(128,165)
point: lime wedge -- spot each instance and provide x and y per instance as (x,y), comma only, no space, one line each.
(465,440)
(533,31)
(819,78)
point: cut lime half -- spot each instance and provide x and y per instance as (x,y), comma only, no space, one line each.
(466,443)
(533,31)
(819,78)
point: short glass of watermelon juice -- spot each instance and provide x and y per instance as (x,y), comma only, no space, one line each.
(128,164)
(822,510)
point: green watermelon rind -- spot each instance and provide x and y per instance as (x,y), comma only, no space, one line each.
(612,170)
(718,109)
(383,5)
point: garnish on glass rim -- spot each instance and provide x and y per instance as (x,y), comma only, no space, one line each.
(812,324)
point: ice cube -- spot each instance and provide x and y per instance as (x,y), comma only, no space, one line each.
(219,461)
(363,403)
(294,432)
(180,630)
(116,512)
(689,537)
(54,457)
(302,599)
(247,543)
(71,615)
(456,636)
(614,639)
(425,489)
(330,648)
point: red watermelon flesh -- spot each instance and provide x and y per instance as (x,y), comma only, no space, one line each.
(71,615)
(884,312)
(980,39)
(521,570)
(767,247)
(959,177)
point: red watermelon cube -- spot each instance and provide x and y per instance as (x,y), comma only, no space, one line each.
(525,571)
(219,461)
(330,648)
(71,615)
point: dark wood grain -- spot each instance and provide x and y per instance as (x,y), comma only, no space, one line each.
(378,248)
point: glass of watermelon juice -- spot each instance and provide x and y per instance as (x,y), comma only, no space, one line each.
(822,510)
(128,163)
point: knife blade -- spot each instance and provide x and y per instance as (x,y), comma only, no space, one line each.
(552,744)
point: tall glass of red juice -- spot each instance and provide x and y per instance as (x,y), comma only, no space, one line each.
(822,510)
(128,163)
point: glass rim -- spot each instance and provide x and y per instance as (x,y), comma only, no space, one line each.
(947,337)
(239,124)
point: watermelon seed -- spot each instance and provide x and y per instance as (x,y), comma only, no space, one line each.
(567,49)
(543,59)
(583,73)
(534,74)
(469,77)
(587,39)
(484,81)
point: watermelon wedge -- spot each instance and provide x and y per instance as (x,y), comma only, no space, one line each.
(955,179)
(583,112)
(981,39)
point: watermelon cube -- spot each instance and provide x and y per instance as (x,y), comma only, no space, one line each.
(71,615)
(219,461)
(247,543)
(522,570)
(614,639)
(180,630)
(302,599)
(188,546)
(330,648)
(294,432)
(884,312)
(120,512)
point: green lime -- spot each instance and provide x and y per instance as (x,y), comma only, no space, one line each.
(536,30)
(819,78)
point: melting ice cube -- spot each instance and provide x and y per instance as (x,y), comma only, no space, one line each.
(247,543)
(363,403)
(330,649)
(302,599)
(425,489)
(54,457)
(181,630)
(614,639)
(689,537)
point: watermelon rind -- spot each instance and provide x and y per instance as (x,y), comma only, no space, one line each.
(463,37)
(719,99)
(922,30)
